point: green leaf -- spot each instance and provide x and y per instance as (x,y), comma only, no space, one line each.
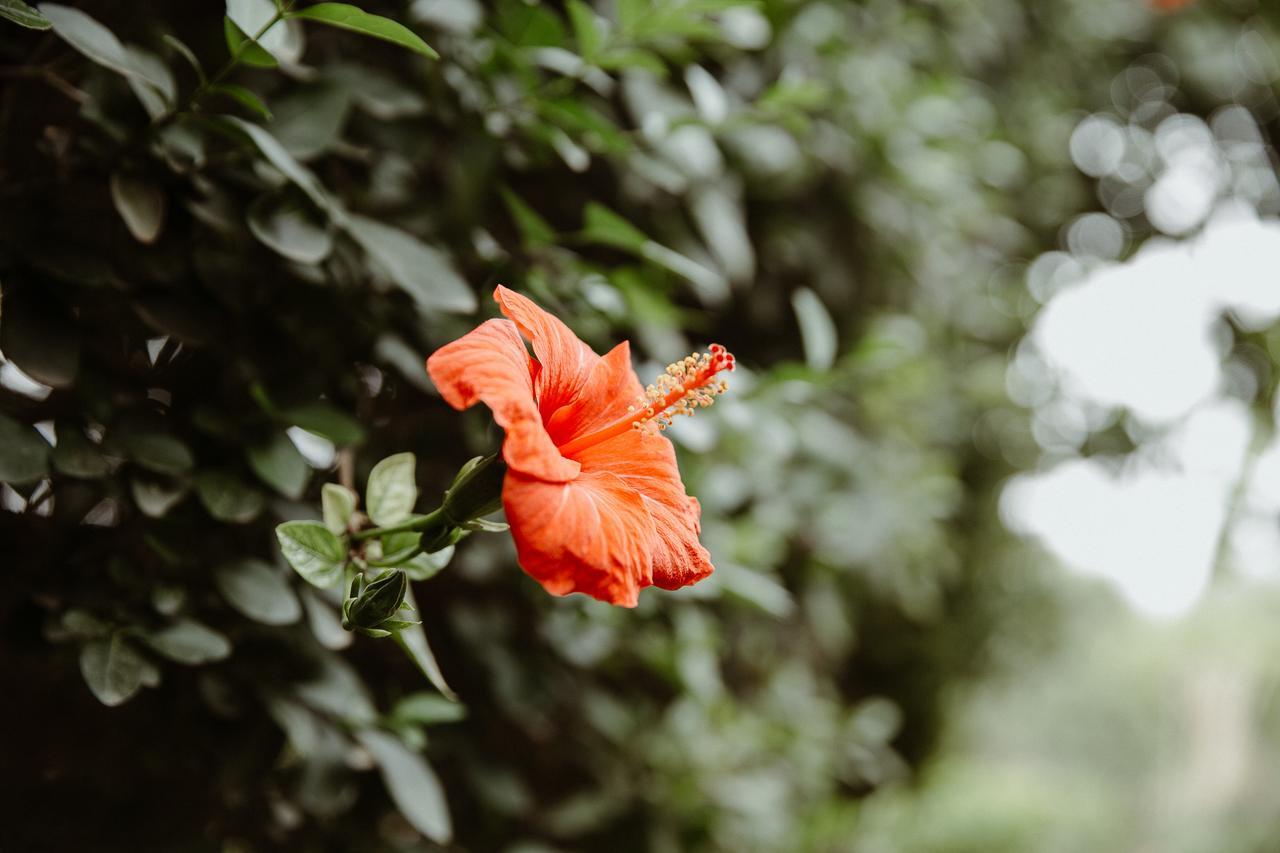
(154,497)
(424,272)
(280,157)
(228,498)
(249,52)
(426,566)
(42,340)
(379,601)
(427,709)
(96,42)
(247,99)
(328,421)
(24,454)
(180,47)
(309,120)
(282,39)
(323,621)
(289,230)
(412,783)
(392,489)
(607,228)
(280,466)
(313,551)
(114,670)
(339,504)
(414,642)
(817,329)
(140,203)
(585,29)
(187,641)
(349,17)
(534,230)
(259,591)
(76,456)
(23,15)
(154,451)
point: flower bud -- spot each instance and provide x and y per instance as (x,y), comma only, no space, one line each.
(379,601)
(476,491)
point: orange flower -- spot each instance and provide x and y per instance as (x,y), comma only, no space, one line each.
(592,492)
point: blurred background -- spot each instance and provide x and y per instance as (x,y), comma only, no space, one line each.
(993,499)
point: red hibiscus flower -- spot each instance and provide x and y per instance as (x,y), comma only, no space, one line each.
(592,492)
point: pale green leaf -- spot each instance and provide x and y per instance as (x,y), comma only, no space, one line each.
(313,550)
(412,783)
(140,203)
(187,641)
(339,504)
(258,590)
(817,329)
(114,670)
(392,489)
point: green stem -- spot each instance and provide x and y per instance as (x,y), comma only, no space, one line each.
(396,560)
(432,519)
(282,11)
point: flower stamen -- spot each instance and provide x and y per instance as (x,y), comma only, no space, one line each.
(686,386)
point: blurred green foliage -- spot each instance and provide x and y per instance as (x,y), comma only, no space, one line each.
(197,265)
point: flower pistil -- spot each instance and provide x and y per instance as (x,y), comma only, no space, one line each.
(686,386)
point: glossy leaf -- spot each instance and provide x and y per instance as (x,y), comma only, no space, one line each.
(23,15)
(95,41)
(246,51)
(392,489)
(426,566)
(283,40)
(352,18)
(313,550)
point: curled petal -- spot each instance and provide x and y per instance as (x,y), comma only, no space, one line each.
(491,365)
(610,390)
(565,360)
(646,464)
(592,535)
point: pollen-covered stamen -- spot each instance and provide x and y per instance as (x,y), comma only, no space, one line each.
(686,386)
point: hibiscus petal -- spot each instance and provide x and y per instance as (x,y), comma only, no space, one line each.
(565,361)
(592,535)
(491,365)
(646,464)
(610,391)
